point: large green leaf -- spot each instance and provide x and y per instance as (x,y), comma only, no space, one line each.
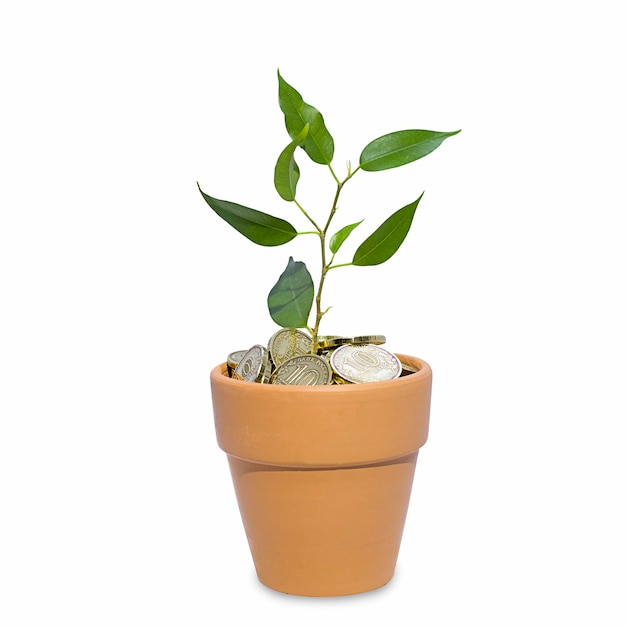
(319,144)
(400,148)
(384,242)
(257,226)
(291,298)
(340,236)
(286,172)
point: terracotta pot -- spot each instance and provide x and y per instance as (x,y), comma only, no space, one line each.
(323,475)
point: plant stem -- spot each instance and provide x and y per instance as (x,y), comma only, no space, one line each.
(325,267)
(334,208)
(318,298)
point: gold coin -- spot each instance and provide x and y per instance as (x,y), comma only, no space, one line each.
(365,363)
(322,339)
(325,353)
(335,342)
(337,380)
(233,360)
(288,342)
(306,369)
(408,369)
(376,340)
(254,366)
(332,342)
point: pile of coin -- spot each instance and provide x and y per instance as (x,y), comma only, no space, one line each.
(289,359)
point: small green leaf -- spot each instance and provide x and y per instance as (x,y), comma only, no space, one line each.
(340,236)
(257,226)
(286,172)
(400,148)
(384,242)
(291,298)
(319,144)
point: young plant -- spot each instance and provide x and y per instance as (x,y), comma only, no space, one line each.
(291,299)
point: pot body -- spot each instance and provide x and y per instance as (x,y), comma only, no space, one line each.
(323,475)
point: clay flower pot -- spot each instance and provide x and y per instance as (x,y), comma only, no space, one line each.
(323,475)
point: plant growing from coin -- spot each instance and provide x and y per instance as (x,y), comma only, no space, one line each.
(290,301)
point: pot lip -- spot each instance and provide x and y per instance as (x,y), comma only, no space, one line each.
(219,375)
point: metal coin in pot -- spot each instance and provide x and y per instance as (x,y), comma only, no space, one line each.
(365,363)
(307,369)
(233,360)
(254,366)
(288,342)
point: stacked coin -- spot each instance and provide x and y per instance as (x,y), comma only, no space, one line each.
(334,342)
(233,360)
(289,360)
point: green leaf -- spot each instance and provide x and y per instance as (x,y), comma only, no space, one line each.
(384,242)
(286,172)
(340,236)
(400,148)
(291,298)
(257,226)
(319,144)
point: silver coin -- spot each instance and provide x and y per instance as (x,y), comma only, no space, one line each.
(365,363)
(288,342)
(307,369)
(254,366)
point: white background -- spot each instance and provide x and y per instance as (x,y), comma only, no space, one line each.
(120,290)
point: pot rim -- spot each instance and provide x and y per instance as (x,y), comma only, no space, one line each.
(220,374)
